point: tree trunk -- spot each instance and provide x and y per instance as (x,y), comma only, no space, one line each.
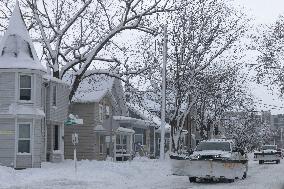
(56,74)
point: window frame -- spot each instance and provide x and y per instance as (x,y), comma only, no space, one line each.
(19,87)
(140,134)
(24,139)
(101,112)
(58,137)
(107,110)
(101,144)
(135,143)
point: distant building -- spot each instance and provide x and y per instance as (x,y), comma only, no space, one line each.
(277,121)
(266,117)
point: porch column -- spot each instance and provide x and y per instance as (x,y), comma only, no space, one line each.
(114,148)
(131,143)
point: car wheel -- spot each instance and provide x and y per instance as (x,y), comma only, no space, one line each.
(192,179)
(260,162)
(277,161)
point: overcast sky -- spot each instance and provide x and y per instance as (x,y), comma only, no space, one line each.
(264,12)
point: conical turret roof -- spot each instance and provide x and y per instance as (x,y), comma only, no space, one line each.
(16,48)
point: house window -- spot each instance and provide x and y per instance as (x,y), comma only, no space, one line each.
(24,138)
(121,143)
(25,87)
(101,144)
(107,112)
(56,137)
(101,111)
(54,102)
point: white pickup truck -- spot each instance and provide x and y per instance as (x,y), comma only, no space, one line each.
(215,159)
(268,153)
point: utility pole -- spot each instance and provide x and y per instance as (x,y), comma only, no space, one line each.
(163,111)
(281,131)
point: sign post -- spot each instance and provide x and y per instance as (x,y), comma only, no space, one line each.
(72,121)
(75,140)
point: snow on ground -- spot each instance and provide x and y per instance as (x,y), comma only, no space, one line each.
(137,174)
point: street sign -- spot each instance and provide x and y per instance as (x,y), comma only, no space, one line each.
(73,120)
(75,138)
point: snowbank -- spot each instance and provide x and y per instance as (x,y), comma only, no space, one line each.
(141,173)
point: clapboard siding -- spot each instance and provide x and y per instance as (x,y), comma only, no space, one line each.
(37,140)
(7,141)
(85,148)
(59,112)
(36,144)
(56,115)
(88,147)
(24,161)
(37,88)
(6,162)
(7,90)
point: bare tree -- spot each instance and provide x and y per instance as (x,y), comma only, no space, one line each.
(5,12)
(200,37)
(223,90)
(270,44)
(200,34)
(247,129)
(87,37)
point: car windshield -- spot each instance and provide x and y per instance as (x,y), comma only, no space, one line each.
(224,146)
(269,147)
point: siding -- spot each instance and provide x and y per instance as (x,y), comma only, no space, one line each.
(7,90)
(85,148)
(58,113)
(7,142)
(51,155)
(37,88)
(37,143)
(24,161)
(34,160)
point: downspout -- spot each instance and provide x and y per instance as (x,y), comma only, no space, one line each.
(45,122)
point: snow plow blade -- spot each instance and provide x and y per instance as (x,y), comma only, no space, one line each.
(229,169)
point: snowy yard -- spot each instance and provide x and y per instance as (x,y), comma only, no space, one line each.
(138,174)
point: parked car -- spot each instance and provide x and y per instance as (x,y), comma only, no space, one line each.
(268,153)
(215,159)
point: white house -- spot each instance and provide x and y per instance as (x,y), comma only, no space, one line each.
(33,105)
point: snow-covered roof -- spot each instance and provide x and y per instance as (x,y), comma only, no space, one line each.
(124,130)
(125,119)
(145,114)
(151,105)
(219,140)
(110,125)
(93,89)
(16,47)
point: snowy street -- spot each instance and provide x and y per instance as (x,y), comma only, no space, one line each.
(138,174)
